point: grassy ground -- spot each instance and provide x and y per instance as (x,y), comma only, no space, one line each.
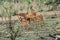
(34,33)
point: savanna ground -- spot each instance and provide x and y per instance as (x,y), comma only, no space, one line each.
(49,27)
(51,20)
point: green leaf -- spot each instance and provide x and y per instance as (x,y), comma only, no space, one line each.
(6,5)
(58,27)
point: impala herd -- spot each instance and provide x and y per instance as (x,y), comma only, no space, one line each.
(25,18)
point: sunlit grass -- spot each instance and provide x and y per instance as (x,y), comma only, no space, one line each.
(35,33)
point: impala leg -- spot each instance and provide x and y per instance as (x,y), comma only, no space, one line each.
(27,25)
(35,23)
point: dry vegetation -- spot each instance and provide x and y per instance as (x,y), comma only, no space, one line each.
(9,9)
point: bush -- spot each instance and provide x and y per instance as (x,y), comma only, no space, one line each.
(58,28)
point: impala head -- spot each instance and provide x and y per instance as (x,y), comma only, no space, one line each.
(30,10)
